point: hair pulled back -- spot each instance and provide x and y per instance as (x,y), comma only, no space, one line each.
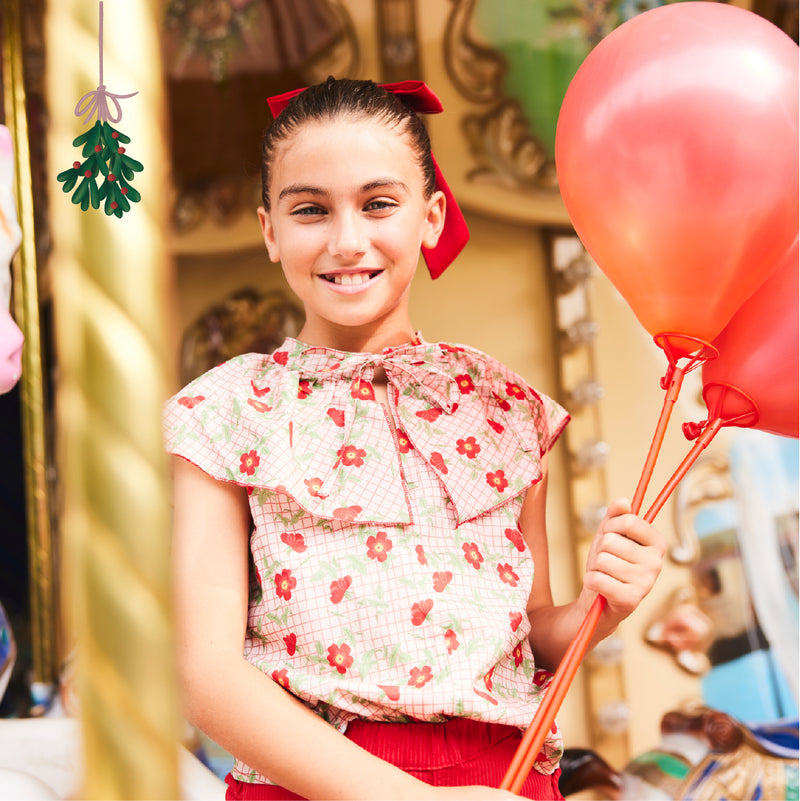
(339,99)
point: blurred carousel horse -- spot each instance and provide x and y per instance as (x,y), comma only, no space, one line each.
(703,755)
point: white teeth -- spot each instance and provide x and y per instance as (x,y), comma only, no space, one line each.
(350,279)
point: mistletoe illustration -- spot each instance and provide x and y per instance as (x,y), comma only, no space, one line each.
(104,154)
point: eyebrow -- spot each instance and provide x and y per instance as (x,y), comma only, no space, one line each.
(304,189)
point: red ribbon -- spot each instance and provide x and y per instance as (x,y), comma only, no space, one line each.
(455,234)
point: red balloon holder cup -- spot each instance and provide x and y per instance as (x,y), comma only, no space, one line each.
(726,405)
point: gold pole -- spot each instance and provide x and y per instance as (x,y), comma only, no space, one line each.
(32,390)
(110,285)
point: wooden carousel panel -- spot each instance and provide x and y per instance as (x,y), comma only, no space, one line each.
(222,60)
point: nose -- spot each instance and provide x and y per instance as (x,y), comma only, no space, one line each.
(348,238)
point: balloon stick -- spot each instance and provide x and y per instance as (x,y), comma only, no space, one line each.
(674,346)
(534,736)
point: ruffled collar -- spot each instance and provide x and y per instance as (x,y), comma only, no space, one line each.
(478,426)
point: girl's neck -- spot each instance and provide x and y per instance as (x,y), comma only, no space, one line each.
(357,340)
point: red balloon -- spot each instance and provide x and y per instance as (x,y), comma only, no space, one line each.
(677,159)
(758,355)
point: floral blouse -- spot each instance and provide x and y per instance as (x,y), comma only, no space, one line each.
(389,576)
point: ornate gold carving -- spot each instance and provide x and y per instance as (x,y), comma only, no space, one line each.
(709,480)
(342,56)
(505,150)
(476,70)
(397,40)
(500,140)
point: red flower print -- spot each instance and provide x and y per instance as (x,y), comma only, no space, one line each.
(452,641)
(441,580)
(542,678)
(497,480)
(496,426)
(419,611)
(501,402)
(339,588)
(445,348)
(472,554)
(485,696)
(403,442)
(337,415)
(280,677)
(420,676)
(190,401)
(516,619)
(303,389)
(281,357)
(487,679)
(517,654)
(378,546)
(437,461)
(362,390)
(392,692)
(421,558)
(339,657)
(291,643)
(468,447)
(294,540)
(507,575)
(465,384)
(285,582)
(249,462)
(347,512)
(258,405)
(429,415)
(259,393)
(314,486)
(351,456)
(515,535)
(515,391)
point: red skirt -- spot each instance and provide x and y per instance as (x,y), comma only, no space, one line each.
(457,752)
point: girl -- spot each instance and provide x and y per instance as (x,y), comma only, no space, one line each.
(362,511)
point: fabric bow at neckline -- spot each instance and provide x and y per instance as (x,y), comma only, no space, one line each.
(402,369)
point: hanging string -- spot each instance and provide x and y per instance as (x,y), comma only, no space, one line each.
(97,102)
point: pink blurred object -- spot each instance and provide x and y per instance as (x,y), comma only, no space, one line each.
(11,338)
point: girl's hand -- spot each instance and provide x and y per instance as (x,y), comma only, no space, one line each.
(624,561)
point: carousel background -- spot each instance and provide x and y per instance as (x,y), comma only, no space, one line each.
(119,312)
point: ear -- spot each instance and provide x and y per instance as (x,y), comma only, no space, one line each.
(434,219)
(268,233)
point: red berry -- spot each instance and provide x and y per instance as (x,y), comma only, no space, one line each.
(124,190)
(112,177)
(88,173)
(98,148)
(120,149)
(76,164)
(115,135)
(113,204)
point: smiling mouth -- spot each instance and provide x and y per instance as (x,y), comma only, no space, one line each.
(351,279)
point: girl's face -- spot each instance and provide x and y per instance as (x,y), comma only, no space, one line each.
(347,219)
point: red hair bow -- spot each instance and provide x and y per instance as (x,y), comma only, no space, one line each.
(455,234)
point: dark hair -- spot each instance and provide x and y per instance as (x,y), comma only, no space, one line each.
(338,98)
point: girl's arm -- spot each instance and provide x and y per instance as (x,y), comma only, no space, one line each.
(623,563)
(240,708)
